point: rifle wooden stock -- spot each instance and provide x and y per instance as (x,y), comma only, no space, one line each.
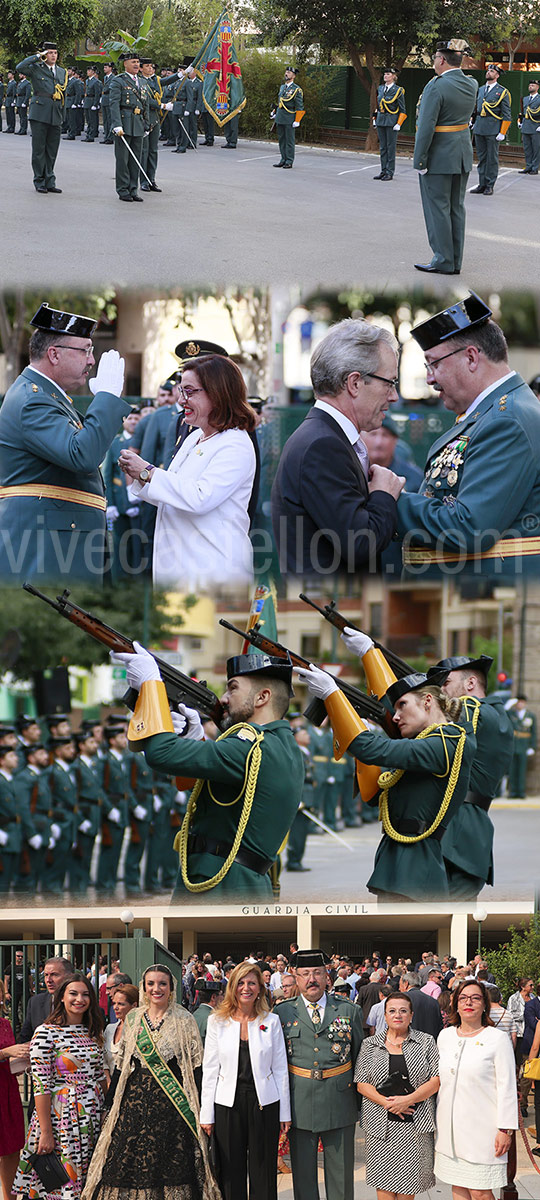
(331,614)
(179,687)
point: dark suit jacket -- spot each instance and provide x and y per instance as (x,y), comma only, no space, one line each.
(427,1014)
(38,1009)
(320,486)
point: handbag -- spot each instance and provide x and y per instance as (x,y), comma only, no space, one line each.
(531,1069)
(396,1084)
(49,1170)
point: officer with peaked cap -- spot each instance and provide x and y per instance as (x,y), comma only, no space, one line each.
(323,1035)
(130,119)
(529,126)
(467,844)
(46,112)
(493,119)
(443,156)
(424,781)
(478,508)
(248,783)
(52,504)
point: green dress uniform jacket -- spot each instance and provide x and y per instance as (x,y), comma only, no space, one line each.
(130,112)
(141,779)
(2,90)
(129,540)
(222,766)
(24,92)
(416,869)
(117,796)
(529,125)
(467,844)
(46,114)
(443,149)
(11,824)
(149,158)
(162,860)
(92,98)
(493,108)
(155,433)
(290,101)
(63,812)
(33,794)
(322,1107)
(106,108)
(52,506)
(462,513)
(10,102)
(89,804)
(524,729)
(390,104)
(201,1015)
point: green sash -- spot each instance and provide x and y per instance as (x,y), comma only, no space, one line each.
(164,1076)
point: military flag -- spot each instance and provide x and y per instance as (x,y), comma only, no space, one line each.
(218,66)
(263,615)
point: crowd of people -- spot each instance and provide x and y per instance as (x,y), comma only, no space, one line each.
(211,1089)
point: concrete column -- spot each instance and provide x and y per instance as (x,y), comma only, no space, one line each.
(458,937)
(159,929)
(189,942)
(63,932)
(443,941)
(306,936)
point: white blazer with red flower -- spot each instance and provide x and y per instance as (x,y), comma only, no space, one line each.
(268,1063)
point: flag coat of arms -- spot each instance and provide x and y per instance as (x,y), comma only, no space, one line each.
(218,67)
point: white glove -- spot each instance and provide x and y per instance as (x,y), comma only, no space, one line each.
(168,106)
(422,171)
(295,124)
(73,105)
(118,130)
(396,128)
(195,731)
(530,752)
(158,804)
(132,512)
(112,512)
(186,112)
(4,839)
(318,682)
(110,374)
(331,779)
(114,816)
(538,128)
(85,827)
(499,137)
(140,813)
(94,107)
(356,641)
(36,841)
(52,844)
(55,831)
(272,113)
(197,112)
(140,666)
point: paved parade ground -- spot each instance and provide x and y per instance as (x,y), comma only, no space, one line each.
(228,217)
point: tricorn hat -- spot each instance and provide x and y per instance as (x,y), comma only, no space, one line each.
(461,662)
(49,46)
(310,958)
(53,320)
(261,664)
(457,318)
(411,683)
(493,66)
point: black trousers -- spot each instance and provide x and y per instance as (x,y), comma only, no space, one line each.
(247,1138)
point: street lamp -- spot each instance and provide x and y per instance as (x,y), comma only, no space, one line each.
(479,915)
(126,917)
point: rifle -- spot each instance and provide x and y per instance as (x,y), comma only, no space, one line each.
(366,706)
(179,687)
(331,614)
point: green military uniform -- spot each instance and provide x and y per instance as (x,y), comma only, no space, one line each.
(149,159)
(80,105)
(162,860)
(141,778)
(130,112)
(126,530)
(106,109)
(10,102)
(71,102)
(323,1106)
(2,90)
(320,744)
(24,92)
(348,793)
(63,812)
(529,125)
(92,97)
(221,765)
(34,793)
(296,842)
(201,1015)
(494,114)
(52,506)
(179,98)
(45,115)
(117,796)
(443,149)
(390,107)
(155,434)
(524,726)
(87,826)
(290,108)
(467,843)
(194,107)
(11,826)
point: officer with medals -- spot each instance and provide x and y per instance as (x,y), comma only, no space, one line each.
(389,118)
(479,502)
(130,119)
(529,125)
(287,115)
(323,1035)
(91,102)
(149,160)
(52,504)
(46,112)
(493,119)
(443,156)
(467,844)
(24,91)
(248,783)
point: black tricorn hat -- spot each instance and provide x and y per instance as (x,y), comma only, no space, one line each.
(309,958)
(55,718)
(457,318)
(461,662)
(5,729)
(52,320)
(127,54)
(493,66)
(23,721)
(207,985)
(61,741)
(147,61)
(194,348)
(261,664)
(49,46)
(110,731)
(291,68)
(28,750)
(411,683)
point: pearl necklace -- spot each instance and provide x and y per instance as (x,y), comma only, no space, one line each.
(206,438)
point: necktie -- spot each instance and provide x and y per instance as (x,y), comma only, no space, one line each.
(315,1014)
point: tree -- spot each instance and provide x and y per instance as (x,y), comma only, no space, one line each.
(17,309)
(24,26)
(520,955)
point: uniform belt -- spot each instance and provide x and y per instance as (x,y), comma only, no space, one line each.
(478,799)
(408,826)
(199,844)
(317,1074)
(504,548)
(517,734)
(451,128)
(320,758)
(48,491)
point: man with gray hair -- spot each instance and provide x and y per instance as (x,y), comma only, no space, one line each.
(331,510)
(426,1011)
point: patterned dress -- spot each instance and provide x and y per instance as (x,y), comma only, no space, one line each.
(67,1065)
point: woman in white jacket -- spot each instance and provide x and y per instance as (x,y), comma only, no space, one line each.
(477,1102)
(245,1087)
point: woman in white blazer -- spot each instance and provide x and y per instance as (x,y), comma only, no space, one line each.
(477,1102)
(245,1087)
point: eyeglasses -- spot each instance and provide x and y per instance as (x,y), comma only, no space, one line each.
(391,383)
(187,393)
(432,366)
(88,350)
(472,999)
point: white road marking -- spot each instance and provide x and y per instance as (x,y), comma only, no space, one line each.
(353,170)
(256,157)
(498,237)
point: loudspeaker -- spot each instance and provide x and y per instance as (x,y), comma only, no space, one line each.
(51,691)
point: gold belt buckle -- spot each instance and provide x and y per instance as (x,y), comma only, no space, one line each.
(317,1074)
